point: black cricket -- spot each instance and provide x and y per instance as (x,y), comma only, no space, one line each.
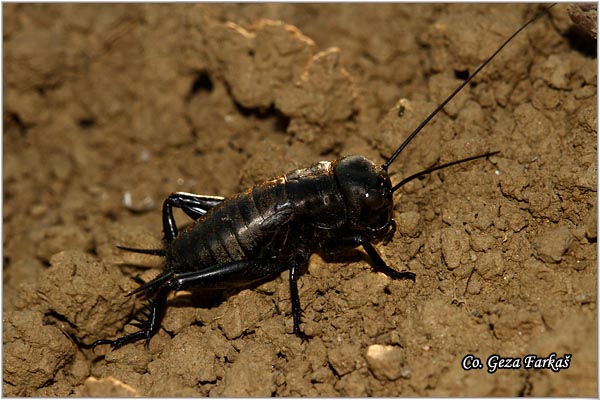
(276,226)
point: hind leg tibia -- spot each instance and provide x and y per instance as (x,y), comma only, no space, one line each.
(153,315)
(194,205)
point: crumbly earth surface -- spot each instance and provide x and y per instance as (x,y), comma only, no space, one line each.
(109,108)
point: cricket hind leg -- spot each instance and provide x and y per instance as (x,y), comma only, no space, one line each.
(194,205)
(220,276)
(148,325)
(151,314)
(245,272)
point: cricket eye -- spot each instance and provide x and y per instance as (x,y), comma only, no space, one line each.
(374,199)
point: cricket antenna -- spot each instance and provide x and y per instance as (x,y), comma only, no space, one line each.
(457,90)
(430,170)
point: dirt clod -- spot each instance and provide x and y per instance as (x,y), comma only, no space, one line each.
(33,352)
(455,244)
(72,290)
(552,244)
(343,358)
(252,373)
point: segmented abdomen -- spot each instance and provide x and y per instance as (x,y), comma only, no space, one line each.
(243,226)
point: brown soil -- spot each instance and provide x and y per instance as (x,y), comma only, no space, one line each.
(109,108)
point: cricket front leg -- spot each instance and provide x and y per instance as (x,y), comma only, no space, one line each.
(378,262)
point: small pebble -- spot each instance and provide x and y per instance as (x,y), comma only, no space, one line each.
(387,362)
